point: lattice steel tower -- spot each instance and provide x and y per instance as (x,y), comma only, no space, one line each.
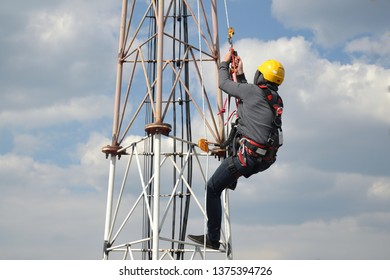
(166,84)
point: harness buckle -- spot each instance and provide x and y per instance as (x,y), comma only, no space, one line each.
(261,151)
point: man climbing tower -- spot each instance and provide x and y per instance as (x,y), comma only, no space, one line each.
(254,140)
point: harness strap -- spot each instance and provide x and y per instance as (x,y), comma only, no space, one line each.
(253,147)
(275,102)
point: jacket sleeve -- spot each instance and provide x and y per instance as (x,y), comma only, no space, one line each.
(227,85)
(241,79)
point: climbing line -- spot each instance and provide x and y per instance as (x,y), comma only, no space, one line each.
(226,14)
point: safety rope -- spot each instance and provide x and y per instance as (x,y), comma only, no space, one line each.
(233,66)
(226,14)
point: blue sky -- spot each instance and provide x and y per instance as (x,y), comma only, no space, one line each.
(328,196)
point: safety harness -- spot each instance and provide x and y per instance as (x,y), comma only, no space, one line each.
(268,150)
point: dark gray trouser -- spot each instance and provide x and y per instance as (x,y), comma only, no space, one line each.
(226,175)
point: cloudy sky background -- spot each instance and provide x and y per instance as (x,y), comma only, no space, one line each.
(328,196)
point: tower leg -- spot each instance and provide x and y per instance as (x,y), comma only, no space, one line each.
(156,196)
(228,230)
(110,191)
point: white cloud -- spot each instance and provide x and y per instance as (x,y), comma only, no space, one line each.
(380,190)
(79,109)
(368,45)
(56,52)
(52,28)
(371,49)
(333,22)
(339,239)
(47,210)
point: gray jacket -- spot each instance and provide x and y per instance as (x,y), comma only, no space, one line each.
(254,113)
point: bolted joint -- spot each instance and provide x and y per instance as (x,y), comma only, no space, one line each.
(106,247)
(158,128)
(113,151)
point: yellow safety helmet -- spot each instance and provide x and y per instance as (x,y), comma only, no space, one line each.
(272,71)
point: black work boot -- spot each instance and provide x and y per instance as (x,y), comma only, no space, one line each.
(200,240)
